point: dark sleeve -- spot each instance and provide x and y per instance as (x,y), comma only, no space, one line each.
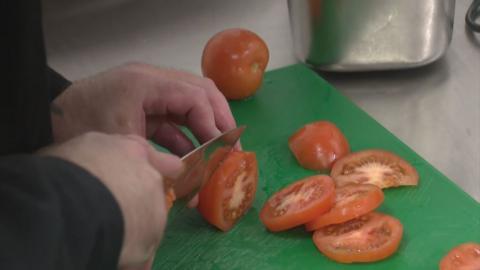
(56,83)
(28,85)
(55,215)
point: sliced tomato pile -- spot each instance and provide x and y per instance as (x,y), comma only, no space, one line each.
(338,208)
(369,238)
(230,191)
(376,167)
(318,145)
(351,201)
(347,230)
(298,203)
(463,257)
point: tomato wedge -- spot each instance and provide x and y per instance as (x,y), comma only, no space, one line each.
(351,201)
(230,191)
(463,257)
(369,238)
(376,167)
(298,203)
(318,145)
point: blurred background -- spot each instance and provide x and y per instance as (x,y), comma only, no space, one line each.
(434,109)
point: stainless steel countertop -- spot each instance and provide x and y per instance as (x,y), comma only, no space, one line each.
(434,109)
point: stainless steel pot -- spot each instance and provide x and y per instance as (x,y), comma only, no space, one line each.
(361,35)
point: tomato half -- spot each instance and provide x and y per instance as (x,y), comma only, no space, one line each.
(369,238)
(235,59)
(318,145)
(298,203)
(463,257)
(230,191)
(351,201)
(376,167)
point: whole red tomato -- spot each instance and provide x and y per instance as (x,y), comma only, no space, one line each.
(235,59)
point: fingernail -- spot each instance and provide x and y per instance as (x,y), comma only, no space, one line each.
(182,169)
(216,133)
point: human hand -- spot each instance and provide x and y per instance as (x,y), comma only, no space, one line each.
(143,100)
(133,171)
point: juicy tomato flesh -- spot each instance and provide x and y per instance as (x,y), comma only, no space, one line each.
(298,203)
(169,198)
(169,191)
(351,201)
(235,59)
(318,145)
(230,191)
(463,257)
(376,167)
(369,238)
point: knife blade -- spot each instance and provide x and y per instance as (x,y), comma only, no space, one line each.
(202,162)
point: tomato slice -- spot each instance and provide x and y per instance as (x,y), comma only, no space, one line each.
(351,201)
(368,238)
(230,191)
(298,203)
(318,145)
(463,257)
(377,167)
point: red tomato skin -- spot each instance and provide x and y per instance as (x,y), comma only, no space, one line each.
(465,256)
(211,204)
(407,174)
(329,245)
(298,215)
(350,210)
(235,60)
(317,145)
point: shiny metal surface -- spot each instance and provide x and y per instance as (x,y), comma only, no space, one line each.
(201,162)
(352,35)
(473,15)
(435,109)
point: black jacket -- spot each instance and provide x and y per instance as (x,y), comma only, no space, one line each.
(53,214)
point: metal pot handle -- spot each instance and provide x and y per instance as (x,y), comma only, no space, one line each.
(473,14)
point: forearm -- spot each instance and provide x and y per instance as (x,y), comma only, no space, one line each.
(55,215)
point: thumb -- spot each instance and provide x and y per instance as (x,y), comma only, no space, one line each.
(171,168)
(147,266)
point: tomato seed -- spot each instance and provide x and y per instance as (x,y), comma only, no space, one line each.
(339,229)
(233,214)
(348,169)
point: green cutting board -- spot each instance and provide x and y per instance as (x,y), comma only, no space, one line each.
(436,215)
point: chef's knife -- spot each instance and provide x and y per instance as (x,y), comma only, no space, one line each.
(202,162)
